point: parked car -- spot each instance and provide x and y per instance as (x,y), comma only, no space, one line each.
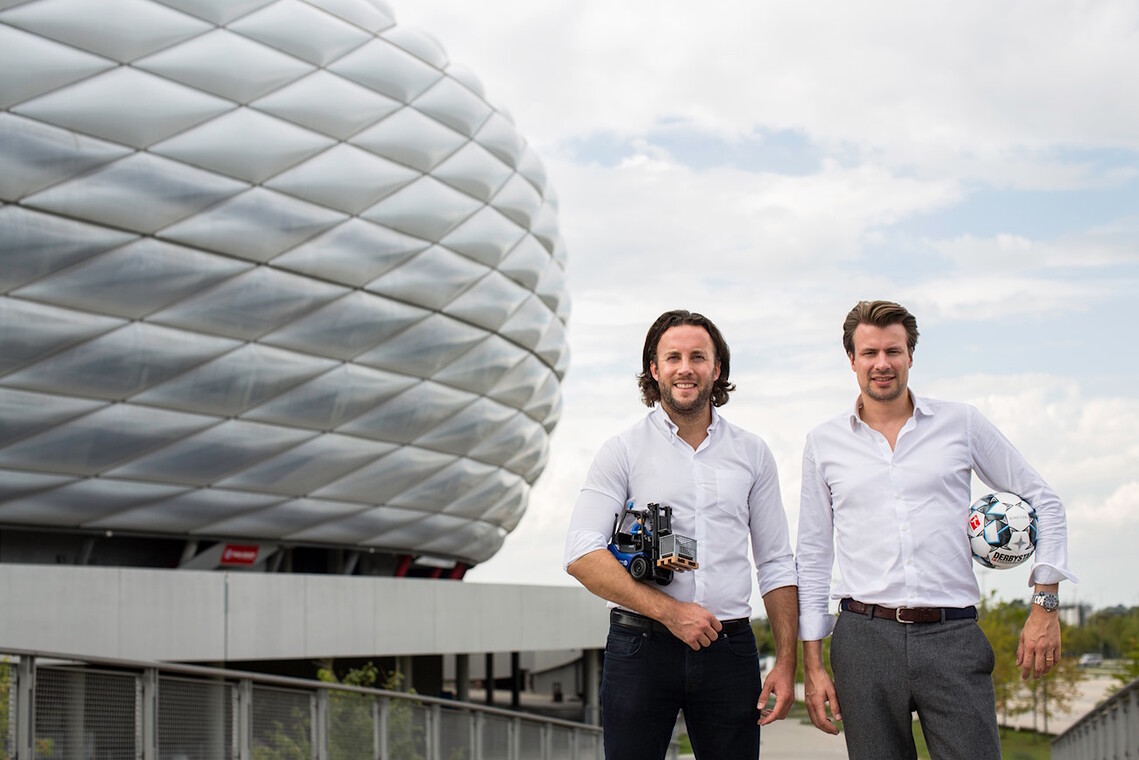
(1091,660)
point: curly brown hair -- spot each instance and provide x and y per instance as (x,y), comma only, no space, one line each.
(650,391)
(879,314)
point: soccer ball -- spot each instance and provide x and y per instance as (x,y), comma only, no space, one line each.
(1002,530)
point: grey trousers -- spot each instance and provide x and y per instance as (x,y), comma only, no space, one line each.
(884,671)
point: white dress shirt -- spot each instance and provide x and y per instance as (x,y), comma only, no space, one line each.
(723,493)
(896,519)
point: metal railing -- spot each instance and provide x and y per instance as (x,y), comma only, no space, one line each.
(1109,732)
(58,707)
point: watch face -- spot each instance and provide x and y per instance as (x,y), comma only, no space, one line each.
(1050,602)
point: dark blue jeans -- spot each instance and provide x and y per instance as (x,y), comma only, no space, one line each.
(649,676)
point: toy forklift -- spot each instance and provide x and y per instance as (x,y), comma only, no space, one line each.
(643,542)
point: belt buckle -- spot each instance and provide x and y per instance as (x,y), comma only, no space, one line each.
(898,616)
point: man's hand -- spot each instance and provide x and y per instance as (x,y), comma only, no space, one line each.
(603,575)
(782,605)
(818,689)
(1039,648)
(780,682)
(692,624)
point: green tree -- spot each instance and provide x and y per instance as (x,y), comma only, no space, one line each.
(1052,694)
(351,715)
(1129,665)
(1002,623)
(764,639)
(1108,632)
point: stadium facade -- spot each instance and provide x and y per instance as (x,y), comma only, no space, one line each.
(275,273)
(281,292)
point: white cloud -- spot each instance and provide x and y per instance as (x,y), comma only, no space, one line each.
(906,111)
(918,84)
(652,220)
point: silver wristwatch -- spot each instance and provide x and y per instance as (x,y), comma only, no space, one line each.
(1050,602)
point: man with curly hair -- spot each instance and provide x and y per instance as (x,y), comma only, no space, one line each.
(688,645)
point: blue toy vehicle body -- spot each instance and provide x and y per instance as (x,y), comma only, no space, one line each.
(644,544)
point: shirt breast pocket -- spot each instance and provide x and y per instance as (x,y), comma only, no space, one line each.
(733,489)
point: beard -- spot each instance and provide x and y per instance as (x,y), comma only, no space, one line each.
(696,406)
(884,395)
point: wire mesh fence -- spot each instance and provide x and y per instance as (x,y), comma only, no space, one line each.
(120,710)
(496,738)
(456,734)
(7,709)
(352,726)
(196,720)
(282,723)
(86,713)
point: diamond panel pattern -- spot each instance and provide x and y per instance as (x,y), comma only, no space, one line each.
(43,155)
(269,270)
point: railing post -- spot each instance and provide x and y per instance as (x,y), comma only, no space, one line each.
(244,727)
(320,725)
(377,742)
(383,735)
(480,732)
(431,733)
(25,708)
(472,735)
(149,748)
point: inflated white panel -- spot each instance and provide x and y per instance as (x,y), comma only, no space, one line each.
(273,270)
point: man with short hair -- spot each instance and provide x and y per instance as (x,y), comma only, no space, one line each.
(688,645)
(886,492)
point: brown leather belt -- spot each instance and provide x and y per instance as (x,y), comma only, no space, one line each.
(910,614)
(642,623)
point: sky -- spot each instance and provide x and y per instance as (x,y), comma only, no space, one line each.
(769,164)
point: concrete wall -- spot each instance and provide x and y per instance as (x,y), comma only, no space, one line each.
(199,616)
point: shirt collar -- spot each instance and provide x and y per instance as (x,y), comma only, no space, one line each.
(661,417)
(921,406)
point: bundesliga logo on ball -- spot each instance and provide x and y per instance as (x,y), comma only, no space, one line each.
(1002,530)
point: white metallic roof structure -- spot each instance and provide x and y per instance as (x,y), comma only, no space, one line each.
(269,269)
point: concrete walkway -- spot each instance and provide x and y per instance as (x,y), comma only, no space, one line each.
(793,739)
(797,739)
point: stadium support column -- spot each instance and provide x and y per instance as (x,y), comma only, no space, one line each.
(590,665)
(488,682)
(515,680)
(463,677)
(25,707)
(403,665)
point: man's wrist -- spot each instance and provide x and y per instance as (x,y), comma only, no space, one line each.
(1048,601)
(813,656)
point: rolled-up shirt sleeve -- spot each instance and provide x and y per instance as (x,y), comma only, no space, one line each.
(814,551)
(770,538)
(591,524)
(1000,466)
(598,505)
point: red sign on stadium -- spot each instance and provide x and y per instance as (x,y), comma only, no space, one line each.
(239,554)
